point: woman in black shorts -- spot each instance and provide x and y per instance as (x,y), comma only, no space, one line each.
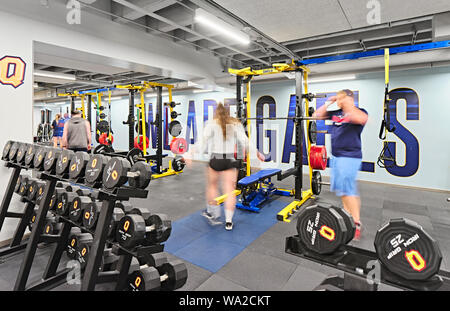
(220,137)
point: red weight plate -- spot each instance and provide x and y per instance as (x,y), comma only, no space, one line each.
(318,157)
(178,145)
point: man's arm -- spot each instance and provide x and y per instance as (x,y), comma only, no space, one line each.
(356,115)
(322,113)
(64,137)
(89,136)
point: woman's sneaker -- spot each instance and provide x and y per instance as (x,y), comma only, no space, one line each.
(357,236)
(211,219)
(229,226)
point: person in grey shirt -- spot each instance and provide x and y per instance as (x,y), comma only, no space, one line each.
(77,133)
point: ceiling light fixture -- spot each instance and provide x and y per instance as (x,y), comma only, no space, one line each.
(54,75)
(202,91)
(208,19)
(332,79)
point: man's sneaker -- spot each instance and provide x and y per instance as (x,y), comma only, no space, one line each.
(357,236)
(229,226)
(212,221)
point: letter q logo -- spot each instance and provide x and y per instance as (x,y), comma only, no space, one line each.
(12,71)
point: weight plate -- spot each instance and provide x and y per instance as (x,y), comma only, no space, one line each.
(312,132)
(50,160)
(174,114)
(115,173)
(407,250)
(321,229)
(178,145)
(134,155)
(5,155)
(78,164)
(318,157)
(175,128)
(94,168)
(316,185)
(145,175)
(21,152)
(349,223)
(63,162)
(310,111)
(103,126)
(138,127)
(178,164)
(13,151)
(29,157)
(39,157)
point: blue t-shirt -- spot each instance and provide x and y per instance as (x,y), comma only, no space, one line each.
(345,136)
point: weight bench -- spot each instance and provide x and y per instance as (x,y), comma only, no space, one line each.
(258,188)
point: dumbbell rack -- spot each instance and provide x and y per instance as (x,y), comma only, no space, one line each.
(356,264)
(91,276)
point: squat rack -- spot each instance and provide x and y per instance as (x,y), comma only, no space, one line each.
(243,78)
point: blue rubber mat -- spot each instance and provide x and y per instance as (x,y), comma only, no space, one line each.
(211,247)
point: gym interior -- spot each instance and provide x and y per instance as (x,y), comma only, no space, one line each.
(148,75)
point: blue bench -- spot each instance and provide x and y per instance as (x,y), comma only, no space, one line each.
(258,177)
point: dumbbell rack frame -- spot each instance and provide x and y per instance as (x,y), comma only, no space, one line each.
(355,262)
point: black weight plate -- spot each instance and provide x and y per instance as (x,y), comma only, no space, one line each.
(101,149)
(103,126)
(316,185)
(50,160)
(321,229)
(94,168)
(349,223)
(13,151)
(407,250)
(78,164)
(115,173)
(178,164)
(102,115)
(310,111)
(5,155)
(21,152)
(29,157)
(175,128)
(312,132)
(139,126)
(63,162)
(145,175)
(174,114)
(134,155)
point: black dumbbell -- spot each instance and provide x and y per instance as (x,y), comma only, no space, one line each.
(63,201)
(21,152)
(78,165)
(118,171)
(20,180)
(109,261)
(50,222)
(39,157)
(40,193)
(63,162)
(33,188)
(13,151)
(168,277)
(72,243)
(134,230)
(90,215)
(52,226)
(83,247)
(25,185)
(50,160)
(94,169)
(29,157)
(6,148)
(77,207)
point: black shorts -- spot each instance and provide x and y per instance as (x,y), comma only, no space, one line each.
(222,162)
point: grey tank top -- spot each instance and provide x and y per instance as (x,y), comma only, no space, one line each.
(76,133)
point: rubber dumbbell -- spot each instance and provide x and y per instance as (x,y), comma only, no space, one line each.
(63,162)
(84,243)
(63,200)
(118,171)
(21,152)
(134,230)
(39,157)
(94,169)
(50,160)
(153,260)
(77,208)
(25,185)
(168,277)
(78,165)
(22,179)
(52,226)
(40,193)
(83,192)
(90,215)
(72,243)
(33,188)
(13,151)
(142,211)
(6,148)
(29,157)
(109,261)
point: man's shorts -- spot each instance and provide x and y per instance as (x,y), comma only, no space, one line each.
(344,172)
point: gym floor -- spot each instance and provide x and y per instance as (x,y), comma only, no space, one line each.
(252,257)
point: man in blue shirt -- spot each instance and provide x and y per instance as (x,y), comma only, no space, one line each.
(348,123)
